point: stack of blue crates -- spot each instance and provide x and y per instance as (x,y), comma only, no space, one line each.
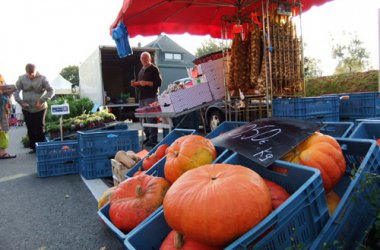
(97,148)
(324,108)
(57,158)
(359,105)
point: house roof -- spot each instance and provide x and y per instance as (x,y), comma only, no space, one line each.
(165,44)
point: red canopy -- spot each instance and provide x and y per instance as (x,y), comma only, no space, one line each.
(196,17)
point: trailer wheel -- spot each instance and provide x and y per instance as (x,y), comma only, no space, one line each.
(214,119)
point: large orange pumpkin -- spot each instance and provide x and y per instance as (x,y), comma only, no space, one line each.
(216,203)
(324,153)
(135,199)
(175,241)
(188,152)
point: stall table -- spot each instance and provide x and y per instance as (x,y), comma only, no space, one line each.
(167,117)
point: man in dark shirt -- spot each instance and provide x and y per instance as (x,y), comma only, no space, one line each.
(149,80)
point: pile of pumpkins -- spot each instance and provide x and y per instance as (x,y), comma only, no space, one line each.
(200,198)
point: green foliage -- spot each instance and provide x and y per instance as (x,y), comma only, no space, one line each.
(71,73)
(311,67)
(351,55)
(208,46)
(25,141)
(343,83)
(77,105)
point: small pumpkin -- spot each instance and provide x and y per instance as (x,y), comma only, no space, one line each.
(216,203)
(324,153)
(332,201)
(188,152)
(278,194)
(149,161)
(175,241)
(161,151)
(135,199)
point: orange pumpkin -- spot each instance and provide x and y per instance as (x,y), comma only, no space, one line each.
(188,152)
(161,151)
(216,203)
(279,194)
(175,241)
(324,153)
(135,199)
(332,201)
(149,161)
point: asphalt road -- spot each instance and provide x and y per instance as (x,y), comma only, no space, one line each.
(46,213)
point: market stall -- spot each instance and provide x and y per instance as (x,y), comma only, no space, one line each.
(266,55)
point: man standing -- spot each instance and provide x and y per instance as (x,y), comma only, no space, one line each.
(36,90)
(149,80)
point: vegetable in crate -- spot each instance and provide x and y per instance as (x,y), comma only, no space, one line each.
(332,201)
(324,153)
(135,199)
(150,160)
(188,152)
(217,203)
(105,197)
(278,194)
(175,240)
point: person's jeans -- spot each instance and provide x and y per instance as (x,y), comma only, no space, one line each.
(150,133)
(35,124)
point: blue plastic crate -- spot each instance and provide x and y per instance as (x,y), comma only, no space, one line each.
(95,167)
(324,108)
(103,213)
(359,105)
(107,143)
(298,220)
(354,214)
(337,129)
(224,127)
(169,139)
(57,150)
(369,130)
(57,167)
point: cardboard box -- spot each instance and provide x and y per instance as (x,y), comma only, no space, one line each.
(184,99)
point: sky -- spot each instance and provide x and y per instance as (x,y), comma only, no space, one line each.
(54,34)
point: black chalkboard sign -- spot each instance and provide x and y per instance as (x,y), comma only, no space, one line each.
(267,140)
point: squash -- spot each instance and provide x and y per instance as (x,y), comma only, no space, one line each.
(216,203)
(135,199)
(278,194)
(332,201)
(188,152)
(175,241)
(105,197)
(324,153)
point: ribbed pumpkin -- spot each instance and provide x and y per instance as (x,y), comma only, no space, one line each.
(324,153)
(135,199)
(175,241)
(188,152)
(216,203)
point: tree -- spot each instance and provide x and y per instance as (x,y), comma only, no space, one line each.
(208,46)
(71,73)
(352,56)
(311,68)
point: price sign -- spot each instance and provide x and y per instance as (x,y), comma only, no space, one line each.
(60,109)
(267,140)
